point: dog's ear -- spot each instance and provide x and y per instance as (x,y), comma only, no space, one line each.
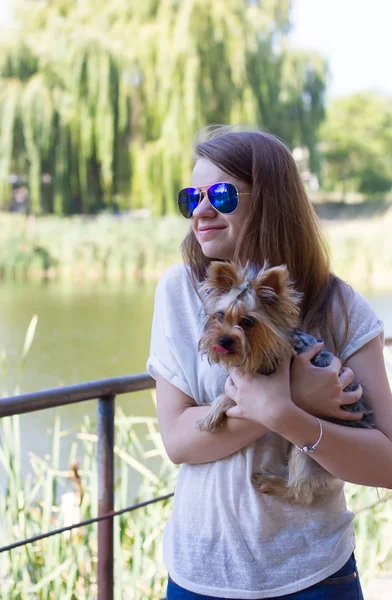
(274,280)
(222,275)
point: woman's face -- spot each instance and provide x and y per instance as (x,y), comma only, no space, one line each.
(216,232)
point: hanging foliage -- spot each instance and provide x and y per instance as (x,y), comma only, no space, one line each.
(103,97)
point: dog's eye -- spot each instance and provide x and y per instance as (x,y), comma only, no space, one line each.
(247,322)
(220,314)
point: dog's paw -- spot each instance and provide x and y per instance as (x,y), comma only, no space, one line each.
(270,484)
(204,425)
(211,422)
(278,486)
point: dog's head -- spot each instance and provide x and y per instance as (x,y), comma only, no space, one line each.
(249,316)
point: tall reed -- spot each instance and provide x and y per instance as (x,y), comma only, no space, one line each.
(65,566)
(104,247)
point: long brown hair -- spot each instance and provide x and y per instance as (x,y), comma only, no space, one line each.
(282,226)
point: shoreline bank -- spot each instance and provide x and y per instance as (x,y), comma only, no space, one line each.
(131,248)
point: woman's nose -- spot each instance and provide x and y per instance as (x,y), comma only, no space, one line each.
(204,207)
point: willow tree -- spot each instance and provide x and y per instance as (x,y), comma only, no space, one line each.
(105,95)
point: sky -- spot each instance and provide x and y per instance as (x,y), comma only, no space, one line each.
(355,36)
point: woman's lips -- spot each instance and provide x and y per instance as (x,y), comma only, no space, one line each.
(208,230)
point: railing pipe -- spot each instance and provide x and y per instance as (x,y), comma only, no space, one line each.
(16,405)
(105,496)
(84,523)
(24,403)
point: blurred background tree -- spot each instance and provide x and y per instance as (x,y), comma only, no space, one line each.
(100,99)
(357,144)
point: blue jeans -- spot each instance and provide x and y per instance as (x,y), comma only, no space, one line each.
(342,585)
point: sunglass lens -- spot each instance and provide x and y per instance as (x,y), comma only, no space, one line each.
(188,199)
(223,197)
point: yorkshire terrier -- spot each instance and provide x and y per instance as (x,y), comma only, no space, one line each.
(252,322)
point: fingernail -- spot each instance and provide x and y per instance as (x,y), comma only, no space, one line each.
(320,340)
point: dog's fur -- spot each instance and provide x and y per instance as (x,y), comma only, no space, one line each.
(252,322)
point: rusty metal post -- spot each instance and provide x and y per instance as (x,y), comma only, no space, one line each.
(105,496)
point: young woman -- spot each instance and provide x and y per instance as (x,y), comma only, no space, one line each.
(225,539)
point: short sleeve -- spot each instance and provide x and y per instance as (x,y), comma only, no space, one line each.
(364,326)
(165,353)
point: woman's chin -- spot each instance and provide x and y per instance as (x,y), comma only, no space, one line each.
(216,251)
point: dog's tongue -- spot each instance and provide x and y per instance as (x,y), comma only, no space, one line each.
(220,349)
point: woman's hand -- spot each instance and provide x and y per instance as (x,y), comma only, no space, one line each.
(319,390)
(260,398)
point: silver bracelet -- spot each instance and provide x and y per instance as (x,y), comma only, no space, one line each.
(310,449)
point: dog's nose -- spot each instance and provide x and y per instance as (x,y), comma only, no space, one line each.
(226,341)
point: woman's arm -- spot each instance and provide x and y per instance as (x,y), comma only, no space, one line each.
(184,443)
(356,455)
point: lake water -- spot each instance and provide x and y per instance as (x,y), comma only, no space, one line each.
(85,331)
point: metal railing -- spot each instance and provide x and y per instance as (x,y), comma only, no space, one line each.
(105,392)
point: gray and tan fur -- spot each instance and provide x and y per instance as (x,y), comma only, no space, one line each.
(252,323)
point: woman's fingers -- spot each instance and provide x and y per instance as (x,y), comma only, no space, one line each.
(352,396)
(346,415)
(230,388)
(346,377)
(234,412)
(335,365)
(310,352)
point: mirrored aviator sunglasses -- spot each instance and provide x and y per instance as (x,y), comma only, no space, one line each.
(222,196)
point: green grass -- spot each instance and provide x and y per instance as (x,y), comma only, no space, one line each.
(361,252)
(104,247)
(129,247)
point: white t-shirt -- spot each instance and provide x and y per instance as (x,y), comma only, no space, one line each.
(224,538)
